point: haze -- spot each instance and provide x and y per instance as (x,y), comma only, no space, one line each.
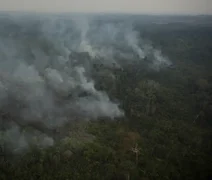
(115,6)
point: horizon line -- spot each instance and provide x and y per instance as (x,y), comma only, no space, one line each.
(103,13)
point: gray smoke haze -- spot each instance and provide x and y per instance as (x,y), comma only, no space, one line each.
(46,67)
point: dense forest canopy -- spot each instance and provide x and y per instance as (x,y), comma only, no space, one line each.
(105,97)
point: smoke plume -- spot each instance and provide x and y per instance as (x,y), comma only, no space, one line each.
(46,71)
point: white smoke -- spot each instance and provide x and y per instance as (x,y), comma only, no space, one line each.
(42,78)
(133,41)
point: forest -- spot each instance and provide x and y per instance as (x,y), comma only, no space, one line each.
(144,110)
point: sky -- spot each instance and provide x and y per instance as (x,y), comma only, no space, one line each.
(114,6)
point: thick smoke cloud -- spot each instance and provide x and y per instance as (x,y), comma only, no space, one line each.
(46,70)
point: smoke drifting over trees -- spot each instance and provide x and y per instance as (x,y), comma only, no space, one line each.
(47,67)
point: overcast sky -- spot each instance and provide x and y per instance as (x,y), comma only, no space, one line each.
(126,6)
